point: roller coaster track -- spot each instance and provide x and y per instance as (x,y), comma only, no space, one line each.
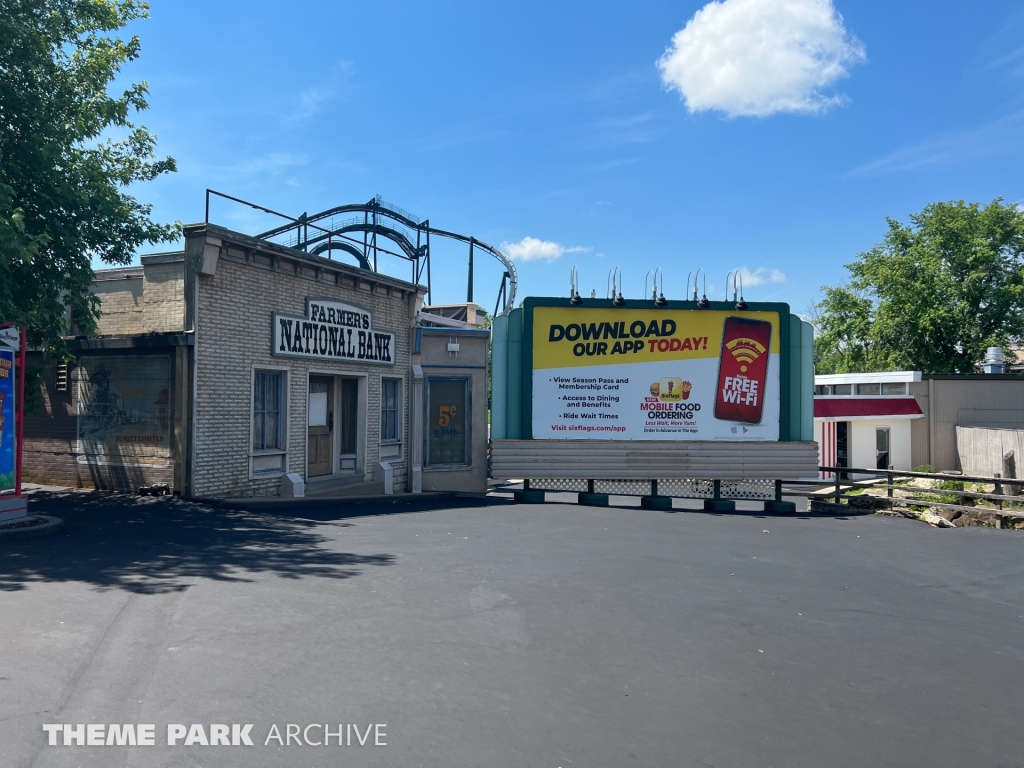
(333,229)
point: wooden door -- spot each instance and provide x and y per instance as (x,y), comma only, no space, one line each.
(320,439)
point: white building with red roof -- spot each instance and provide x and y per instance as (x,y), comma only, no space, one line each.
(864,420)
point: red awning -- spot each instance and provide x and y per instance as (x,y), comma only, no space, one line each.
(841,408)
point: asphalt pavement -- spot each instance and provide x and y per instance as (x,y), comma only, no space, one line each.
(491,634)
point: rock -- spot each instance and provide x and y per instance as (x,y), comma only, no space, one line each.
(933,519)
(864,502)
(980,518)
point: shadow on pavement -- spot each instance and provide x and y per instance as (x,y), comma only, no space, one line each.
(153,545)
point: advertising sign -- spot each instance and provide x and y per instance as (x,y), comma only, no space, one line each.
(332,330)
(124,414)
(10,337)
(8,435)
(655,374)
(447,438)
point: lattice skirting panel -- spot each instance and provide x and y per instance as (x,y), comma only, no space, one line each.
(677,487)
(761,490)
(559,484)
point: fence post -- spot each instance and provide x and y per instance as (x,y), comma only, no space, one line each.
(998,490)
(838,489)
(718,504)
(888,482)
(654,501)
(778,490)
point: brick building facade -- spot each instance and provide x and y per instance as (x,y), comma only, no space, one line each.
(236,285)
(221,369)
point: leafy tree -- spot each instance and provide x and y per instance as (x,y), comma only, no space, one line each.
(842,344)
(68,152)
(931,296)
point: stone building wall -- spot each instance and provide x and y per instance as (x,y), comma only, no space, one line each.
(163,293)
(149,298)
(120,292)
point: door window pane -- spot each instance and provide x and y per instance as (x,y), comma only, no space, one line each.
(266,410)
(882,448)
(447,421)
(317,407)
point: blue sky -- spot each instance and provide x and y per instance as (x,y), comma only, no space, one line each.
(776,135)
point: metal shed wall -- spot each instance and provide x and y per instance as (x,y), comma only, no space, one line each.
(994,401)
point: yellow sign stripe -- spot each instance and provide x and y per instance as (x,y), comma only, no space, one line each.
(567,337)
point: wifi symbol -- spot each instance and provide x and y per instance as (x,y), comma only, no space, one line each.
(745,351)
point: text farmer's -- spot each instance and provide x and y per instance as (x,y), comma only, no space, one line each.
(332,330)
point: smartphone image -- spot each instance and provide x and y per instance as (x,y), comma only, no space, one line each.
(743,370)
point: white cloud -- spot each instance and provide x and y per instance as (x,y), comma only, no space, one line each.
(532,249)
(760,276)
(759,57)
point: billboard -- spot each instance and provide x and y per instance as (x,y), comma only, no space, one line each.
(8,436)
(124,410)
(655,374)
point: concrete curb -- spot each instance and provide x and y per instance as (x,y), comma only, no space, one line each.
(17,529)
(269,503)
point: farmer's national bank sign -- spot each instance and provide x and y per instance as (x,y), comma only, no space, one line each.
(332,330)
(655,374)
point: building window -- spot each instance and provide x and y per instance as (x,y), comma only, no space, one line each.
(267,424)
(842,389)
(882,448)
(894,389)
(867,389)
(822,389)
(390,397)
(447,422)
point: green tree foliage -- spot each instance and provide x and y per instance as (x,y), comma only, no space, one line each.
(931,297)
(68,152)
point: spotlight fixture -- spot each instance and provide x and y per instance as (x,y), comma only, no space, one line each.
(703,303)
(615,277)
(656,294)
(742,303)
